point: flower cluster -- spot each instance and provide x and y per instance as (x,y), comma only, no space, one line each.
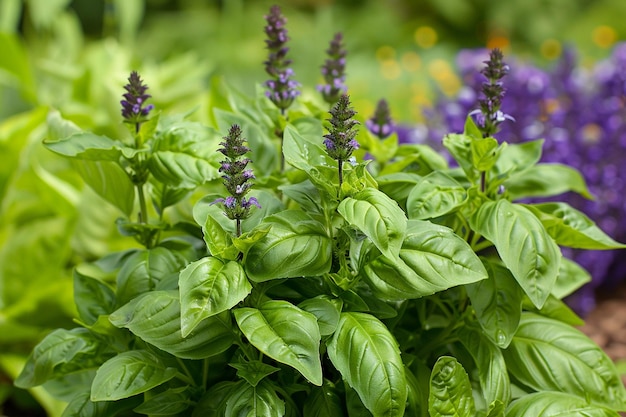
(581,114)
(489,116)
(236,177)
(133,110)
(333,71)
(340,141)
(281,89)
(380,124)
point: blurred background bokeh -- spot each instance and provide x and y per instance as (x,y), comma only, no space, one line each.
(567,84)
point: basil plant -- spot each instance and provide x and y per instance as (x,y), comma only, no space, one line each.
(288,262)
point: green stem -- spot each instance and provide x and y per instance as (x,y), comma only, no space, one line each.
(205,372)
(143,209)
(340,170)
(238,221)
(187,377)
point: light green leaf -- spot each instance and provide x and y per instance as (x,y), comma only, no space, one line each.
(208,287)
(497,302)
(484,153)
(367,356)
(302,152)
(398,185)
(326,310)
(57,349)
(570,227)
(110,182)
(253,371)
(552,404)
(571,277)
(546,180)
(155,317)
(295,245)
(286,334)
(218,241)
(260,401)
(435,195)
(129,373)
(144,269)
(518,157)
(492,373)
(433,258)
(378,217)
(548,355)
(450,390)
(555,309)
(523,244)
(181,170)
(89,146)
(459,146)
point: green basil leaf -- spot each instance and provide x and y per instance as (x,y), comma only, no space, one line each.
(303,152)
(550,404)
(166,403)
(546,180)
(497,302)
(260,401)
(548,355)
(496,409)
(570,227)
(93,298)
(60,352)
(323,401)
(88,146)
(518,157)
(326,310)
(433,258)
(296,245)
(378,217)
(523,244)
(571,277)
(129,373)
(459,146)
(555,309)
(286,334)
(109,180)
(155,317)
(435,195)
(81,405)
(254,371)
(182,170)
(208,287)
(492,372)
(450,390)
(143,271)
(213,402)
(484,153)
(398,185)
(365,353)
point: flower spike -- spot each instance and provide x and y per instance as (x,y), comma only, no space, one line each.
(333,71)
(133,110)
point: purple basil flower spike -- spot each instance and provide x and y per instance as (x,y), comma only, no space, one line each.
(380,124)
(340,141)
(489,116)
(134,109)
(333,71)
(236,177)
(281,89)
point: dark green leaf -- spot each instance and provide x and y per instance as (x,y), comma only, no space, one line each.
(155,318)
(398,185)
(295,245)
(368,357)
(260,401)
(93,298)
(497,302)
(129,373)
(208,287)
(57,349)
(492,373)
(435,195)
(323,402)
(546,180)
(570,227)
(450,390)
(286,334)
(81,405)
(548,355)
(378,217)
(166,403)
(522,243)
(433,258)
(213,402)
(551,404)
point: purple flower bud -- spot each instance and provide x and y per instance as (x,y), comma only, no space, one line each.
(333,71)
(380,123)
(340,141)
(134,98)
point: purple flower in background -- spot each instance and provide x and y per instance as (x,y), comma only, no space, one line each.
(236,177)
(133,110)
(333,71)
(281,89)
(380,124)
(581,114)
